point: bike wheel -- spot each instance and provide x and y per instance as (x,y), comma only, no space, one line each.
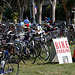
(55,35)
(70,38)
(45,51)
(11,66)
(30,54)
(18,52)
(38,47)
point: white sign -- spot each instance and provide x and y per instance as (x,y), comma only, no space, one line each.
(62,50)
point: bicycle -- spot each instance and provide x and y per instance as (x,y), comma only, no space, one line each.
(42,48)
(8,64)
(25,52)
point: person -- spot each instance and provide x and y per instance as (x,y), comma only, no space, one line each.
(26,21)
(47,19)
(21,26)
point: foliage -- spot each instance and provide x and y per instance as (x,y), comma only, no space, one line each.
(13,16)
(46,11)
(7,13)
(1,3)
(16,6)
(67,5)
(70,4)
(60,12)
(26,13)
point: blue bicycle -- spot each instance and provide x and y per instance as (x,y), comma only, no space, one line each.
(9,64)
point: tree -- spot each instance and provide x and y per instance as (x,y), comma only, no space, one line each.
(31,11)
(67,5)
(53,5)
(21,4)
(1,12)
(16,6)
(39,10)
(1,9)
(60,13)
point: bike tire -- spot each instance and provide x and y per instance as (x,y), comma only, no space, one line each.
(11,66)
(45,51)
(31,55)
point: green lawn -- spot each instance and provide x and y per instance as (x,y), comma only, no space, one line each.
(44,68)
(41,67)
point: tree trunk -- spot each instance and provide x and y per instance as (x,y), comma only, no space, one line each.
(33,12)
(53,5)
(40,14)
(53,13)
(21,14)
(0,16)
(67,13)
(22,11)
(69,17)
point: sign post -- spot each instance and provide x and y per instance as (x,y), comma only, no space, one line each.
(62,50)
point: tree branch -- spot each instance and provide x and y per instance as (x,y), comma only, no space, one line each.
(50,1)
(10,7)
(64,6)
(18,4)
(7,4)
(10,1)
(2,8)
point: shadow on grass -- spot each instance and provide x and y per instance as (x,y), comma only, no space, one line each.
(47,63)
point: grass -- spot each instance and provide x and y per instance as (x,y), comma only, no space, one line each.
(42,67)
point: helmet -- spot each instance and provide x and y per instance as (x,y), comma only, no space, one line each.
(21,25)
(27,25)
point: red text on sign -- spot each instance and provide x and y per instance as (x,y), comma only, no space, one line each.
(61,44)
